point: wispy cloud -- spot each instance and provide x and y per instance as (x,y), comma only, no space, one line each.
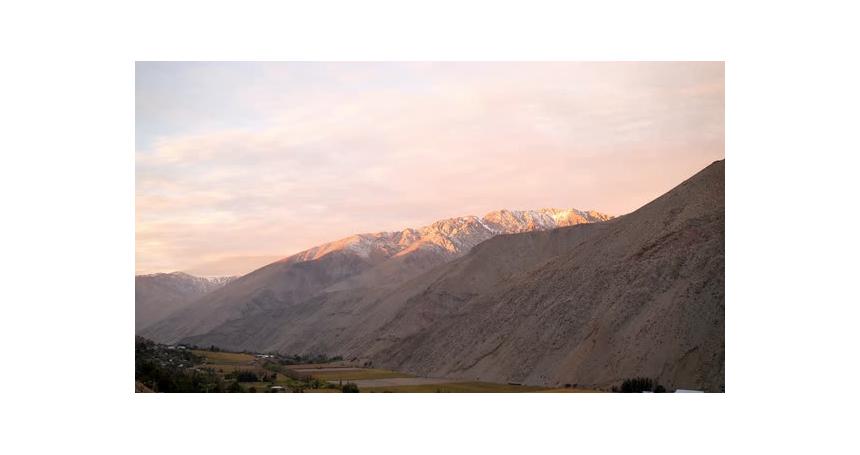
(263,159)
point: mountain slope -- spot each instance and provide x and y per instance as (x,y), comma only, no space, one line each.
(158,295)
(232,316)
(640,295)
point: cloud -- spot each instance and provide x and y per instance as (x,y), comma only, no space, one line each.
(381,147)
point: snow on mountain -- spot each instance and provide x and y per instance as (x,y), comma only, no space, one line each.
(452,236)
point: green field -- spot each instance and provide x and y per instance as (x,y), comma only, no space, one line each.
(355,375)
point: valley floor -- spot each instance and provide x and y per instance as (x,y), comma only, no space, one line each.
(273,376)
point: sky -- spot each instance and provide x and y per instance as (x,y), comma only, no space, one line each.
(238,164)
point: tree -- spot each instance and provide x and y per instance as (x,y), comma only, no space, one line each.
(235,387)
(637,385)
(246,376)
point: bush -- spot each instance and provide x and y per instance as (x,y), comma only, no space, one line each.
(349,387)
(246,376)
(639,385)
(235,387)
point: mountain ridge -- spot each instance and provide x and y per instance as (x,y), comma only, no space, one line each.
(381,259)
(444,233)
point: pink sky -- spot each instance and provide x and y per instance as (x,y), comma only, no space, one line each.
(268,159)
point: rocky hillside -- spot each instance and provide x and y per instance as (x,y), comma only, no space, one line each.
(640,295)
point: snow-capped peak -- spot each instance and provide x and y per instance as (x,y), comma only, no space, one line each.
(452,236)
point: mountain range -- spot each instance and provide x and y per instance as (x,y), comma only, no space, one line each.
(363,261)
(544,297)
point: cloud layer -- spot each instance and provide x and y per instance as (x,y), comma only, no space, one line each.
(242,159)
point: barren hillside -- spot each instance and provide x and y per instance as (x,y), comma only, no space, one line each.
(642,294)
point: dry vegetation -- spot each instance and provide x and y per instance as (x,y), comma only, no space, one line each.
(356,375)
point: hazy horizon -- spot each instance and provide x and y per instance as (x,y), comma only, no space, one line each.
(241,160)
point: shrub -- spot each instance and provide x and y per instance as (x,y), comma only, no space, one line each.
(349,387)
(246,376)
(635,385)
(235,387)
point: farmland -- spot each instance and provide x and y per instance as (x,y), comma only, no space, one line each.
(198,370)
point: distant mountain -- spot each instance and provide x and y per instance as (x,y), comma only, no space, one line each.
(451,236)
(365,261)
(158,295)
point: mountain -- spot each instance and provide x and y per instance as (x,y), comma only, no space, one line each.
(356,264)
(589,304)
(159,294)
(639,295)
